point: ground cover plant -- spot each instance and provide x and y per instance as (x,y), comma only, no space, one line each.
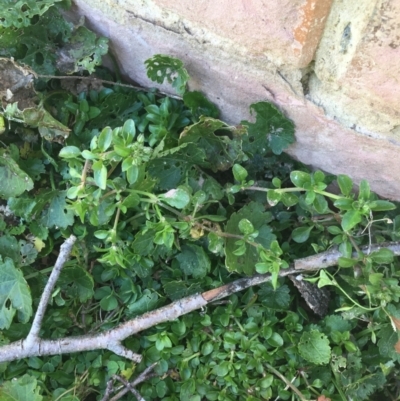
(150,251)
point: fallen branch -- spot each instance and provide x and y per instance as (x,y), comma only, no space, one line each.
(112,339)
(331,257)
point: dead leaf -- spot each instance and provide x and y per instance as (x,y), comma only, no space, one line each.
(397,347)
(323,398)
(16,84)
(395,322)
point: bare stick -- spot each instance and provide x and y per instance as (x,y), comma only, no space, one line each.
(63,256)
(112,339)
(104,81)
(330,258)
(145,375)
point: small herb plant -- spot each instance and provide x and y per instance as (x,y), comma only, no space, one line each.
(151,251)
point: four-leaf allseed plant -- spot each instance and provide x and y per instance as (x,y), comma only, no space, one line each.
(166,201)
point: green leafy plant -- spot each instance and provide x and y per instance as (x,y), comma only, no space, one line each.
(173,256)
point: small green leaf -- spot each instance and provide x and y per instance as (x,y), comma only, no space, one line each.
(301,234)
(100,174)
(178,198)
(273,197)
(383,256)
(222,369)
(335,230)
(320,204)
(319,176)
(69,152)
(275,340)
(88,155)
(350,219)
(365,191)
(246,227)
(239,172)
(314,347)
(289,199)
(344,203)
(105,139)
(381,206)
(346,262)
(375,278)
(300,178)
(345,184)
(324,279)
(132,174)
(129,131)
(276,182)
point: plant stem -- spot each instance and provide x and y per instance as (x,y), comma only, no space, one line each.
(84,172)
(283,378)
(296,189)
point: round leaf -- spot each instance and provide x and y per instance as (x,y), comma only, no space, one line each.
(69,152)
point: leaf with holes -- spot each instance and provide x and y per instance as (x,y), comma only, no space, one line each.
(161,67)
(15,295)
(271,131)
(314,347)
(221,143)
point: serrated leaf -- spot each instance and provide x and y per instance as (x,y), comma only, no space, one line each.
(386,343)
(9,247)
(337,323)
(13,180)
(193,261)
(171,166)
(24,388)
(221,151)
(275,299)
(314,347)
(84,51)
(161,67)
(145,303)
(199,105)
(15,295)
(77,283)
(272,130)
(56,214)
(179,289)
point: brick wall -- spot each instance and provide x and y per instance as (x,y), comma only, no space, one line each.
(331,65)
